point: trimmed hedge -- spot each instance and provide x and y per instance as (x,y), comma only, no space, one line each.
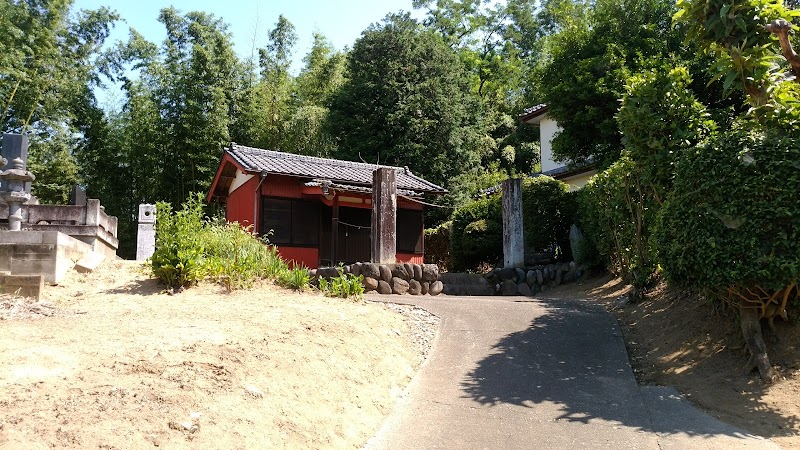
(615,217)
(733,218)
(437,246)
(548,211)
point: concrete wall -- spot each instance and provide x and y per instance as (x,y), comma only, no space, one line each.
(48,253)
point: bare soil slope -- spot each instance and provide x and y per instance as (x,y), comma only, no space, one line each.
(108,361)
(683,341)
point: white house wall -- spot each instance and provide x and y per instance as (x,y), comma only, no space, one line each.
(548,129)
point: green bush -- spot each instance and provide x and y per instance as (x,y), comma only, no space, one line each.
(659,117)
(189,249)
(236,258)
(477,235)
(614,216)
(733,218)
(296,278)
(437,245)
(548,210)
(346,285)
(178,259)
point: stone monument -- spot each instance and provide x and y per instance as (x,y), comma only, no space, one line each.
(513,235)
(15,178)
(146,235)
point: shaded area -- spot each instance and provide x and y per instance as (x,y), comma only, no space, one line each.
(143,287)
(573,358)
(677,339)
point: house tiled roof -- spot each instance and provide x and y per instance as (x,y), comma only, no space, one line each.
(533,111)
(344,172)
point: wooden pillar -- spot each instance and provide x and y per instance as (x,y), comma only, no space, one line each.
(384,216)
(513,236)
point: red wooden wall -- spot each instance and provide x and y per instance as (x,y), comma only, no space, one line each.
(243,207)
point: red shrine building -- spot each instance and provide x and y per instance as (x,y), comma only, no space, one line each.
(316,211)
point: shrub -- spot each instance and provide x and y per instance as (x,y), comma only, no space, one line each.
(437,245)
(659,117)
(477,235)
(189,249)
(296,278)
(346,285)
(236,258)
(548,210)
(733,218)
(615,215)
(178,259)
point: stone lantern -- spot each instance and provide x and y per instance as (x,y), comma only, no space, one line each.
(15,179)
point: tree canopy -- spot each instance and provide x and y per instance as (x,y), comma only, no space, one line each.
(406,102)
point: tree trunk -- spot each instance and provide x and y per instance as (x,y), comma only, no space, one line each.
(751,330)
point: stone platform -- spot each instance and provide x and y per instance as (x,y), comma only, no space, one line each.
(48,253)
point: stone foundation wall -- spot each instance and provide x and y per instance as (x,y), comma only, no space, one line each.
(425,279)
(532,280)
(413,279)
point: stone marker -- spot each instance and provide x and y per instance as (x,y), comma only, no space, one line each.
(575,242)
(146,235)
(513,236)
(77,196)
(384,216)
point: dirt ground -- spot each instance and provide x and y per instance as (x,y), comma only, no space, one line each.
(696,346)
(108,361)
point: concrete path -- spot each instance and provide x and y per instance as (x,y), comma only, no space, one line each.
(519,373)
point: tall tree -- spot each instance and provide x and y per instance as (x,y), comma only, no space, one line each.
(193,84)
(49,62)
(492,40)
(266,105)
(320,78)
(406,102)
(586,65)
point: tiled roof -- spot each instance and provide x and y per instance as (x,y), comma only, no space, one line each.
(258,160)
(362,189)
(533,111)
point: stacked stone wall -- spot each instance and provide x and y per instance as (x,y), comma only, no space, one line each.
(405,278)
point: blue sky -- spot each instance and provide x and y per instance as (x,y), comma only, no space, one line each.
(340,21)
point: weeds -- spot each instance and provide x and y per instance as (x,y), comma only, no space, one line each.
(190,248)
(346,285)
(295,278)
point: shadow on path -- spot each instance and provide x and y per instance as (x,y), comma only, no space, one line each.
(573,358)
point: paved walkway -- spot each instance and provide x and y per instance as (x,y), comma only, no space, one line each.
(517,373)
